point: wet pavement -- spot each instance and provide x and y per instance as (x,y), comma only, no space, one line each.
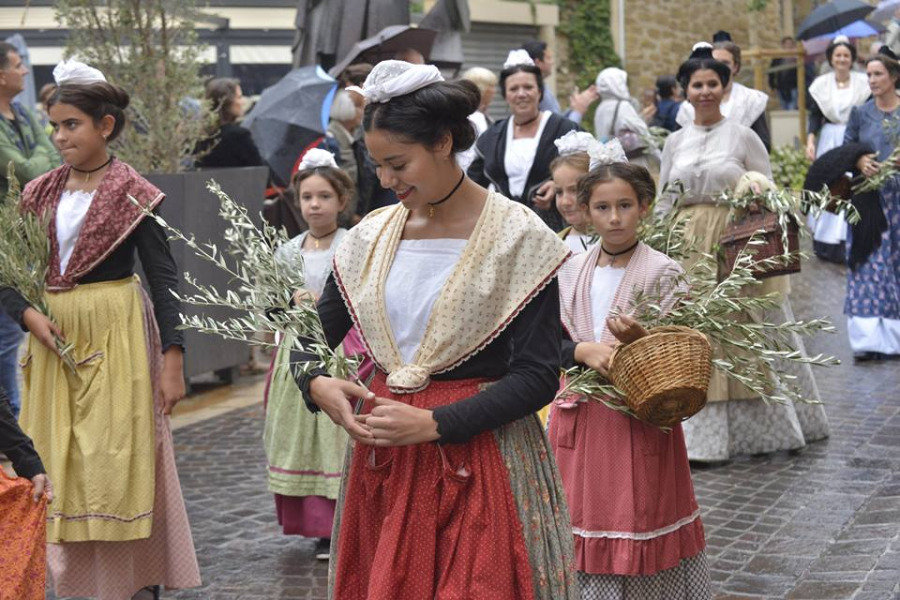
(818,524)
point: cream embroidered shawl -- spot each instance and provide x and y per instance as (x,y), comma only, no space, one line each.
(509,258)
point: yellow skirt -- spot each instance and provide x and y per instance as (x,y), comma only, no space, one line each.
(705,225)
(94,427)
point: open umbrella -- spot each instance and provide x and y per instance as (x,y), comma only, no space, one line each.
(290,116)
(860,29)
(830,17)
(387,42)
(885,11)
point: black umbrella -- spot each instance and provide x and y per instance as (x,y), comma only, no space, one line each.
(830,17)
(385,44)
(291,115)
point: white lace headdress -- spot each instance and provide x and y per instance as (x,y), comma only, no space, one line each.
(392,78)
(516,58)
(576,141)
(316,157)
(73,71)
(607,154)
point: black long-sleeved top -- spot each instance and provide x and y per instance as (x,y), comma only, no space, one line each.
(231,146)
(149,239)
(489,166)
(16,445)
(525,359)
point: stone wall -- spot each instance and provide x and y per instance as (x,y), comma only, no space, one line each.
(659,34)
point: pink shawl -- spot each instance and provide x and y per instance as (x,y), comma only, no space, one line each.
(648,270)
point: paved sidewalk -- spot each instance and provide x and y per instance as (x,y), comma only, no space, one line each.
(824,523)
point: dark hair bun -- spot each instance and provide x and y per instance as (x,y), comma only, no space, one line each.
(97,99)
(426,115)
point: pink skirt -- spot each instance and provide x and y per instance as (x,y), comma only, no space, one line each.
(629,489)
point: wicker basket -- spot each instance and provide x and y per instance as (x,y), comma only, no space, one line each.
(665,375)
(738,233)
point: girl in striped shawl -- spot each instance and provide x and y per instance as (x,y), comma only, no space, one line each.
(635,520)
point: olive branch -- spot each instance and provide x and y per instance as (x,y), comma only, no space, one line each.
(263,289)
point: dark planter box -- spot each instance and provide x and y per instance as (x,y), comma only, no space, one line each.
(193,209)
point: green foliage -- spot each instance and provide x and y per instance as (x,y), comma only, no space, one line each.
(585,24)
(264,299)
(757,5)
(789,167)
(149,48)
(25,255)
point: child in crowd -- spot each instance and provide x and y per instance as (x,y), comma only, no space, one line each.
(636,523)
(305,453)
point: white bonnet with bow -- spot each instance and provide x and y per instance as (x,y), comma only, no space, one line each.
(73,71)
(392,78)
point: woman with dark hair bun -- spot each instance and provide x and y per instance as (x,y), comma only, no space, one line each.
(229,145)
(739,103)
(514,154)
(708,157)
(831,98)
(873,258)
(448,491)
(118,524)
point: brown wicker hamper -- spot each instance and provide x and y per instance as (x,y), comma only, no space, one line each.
(665,375)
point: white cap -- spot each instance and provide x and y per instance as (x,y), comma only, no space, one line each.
(392,78)
(316,157)
(574,142)
(73,71)
(517,58)
(607,154)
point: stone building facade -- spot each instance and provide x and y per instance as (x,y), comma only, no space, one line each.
(659,34)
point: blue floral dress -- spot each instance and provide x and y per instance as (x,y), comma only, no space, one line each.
(872,305)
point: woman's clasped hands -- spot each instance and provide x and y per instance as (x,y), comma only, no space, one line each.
(390,423)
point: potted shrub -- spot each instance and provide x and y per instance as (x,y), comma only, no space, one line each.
(150,48)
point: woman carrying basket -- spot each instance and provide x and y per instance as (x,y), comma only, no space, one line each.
(636,523)
(709,157)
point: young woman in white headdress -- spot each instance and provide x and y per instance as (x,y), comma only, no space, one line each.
(711,155)
(566,169)
(739,103)
(831,98)
(118,522)
(515,153)
(449,491)
(305,454)
(636,523)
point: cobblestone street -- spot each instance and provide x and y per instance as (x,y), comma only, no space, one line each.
(819,524)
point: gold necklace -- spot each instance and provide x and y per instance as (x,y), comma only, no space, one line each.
(321,237)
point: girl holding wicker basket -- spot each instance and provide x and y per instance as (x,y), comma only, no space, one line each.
(636,523)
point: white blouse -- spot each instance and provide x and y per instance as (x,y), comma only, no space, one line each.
(603,289)
(520,155)
(710,160)
(316,263)
(418,273)
(579,242)
(70,215)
